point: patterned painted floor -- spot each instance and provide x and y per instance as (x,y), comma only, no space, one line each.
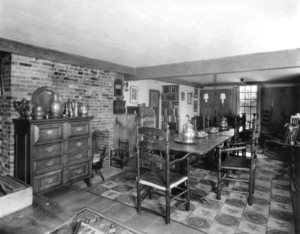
(271,211)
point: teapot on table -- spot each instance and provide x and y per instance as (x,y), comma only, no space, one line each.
(188,132)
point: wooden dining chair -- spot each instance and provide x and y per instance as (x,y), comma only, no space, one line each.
(230,159)
(97,163)
(120,156)
(290,136)
(153,146)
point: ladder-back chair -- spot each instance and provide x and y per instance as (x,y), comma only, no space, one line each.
(234,161)
(153,145)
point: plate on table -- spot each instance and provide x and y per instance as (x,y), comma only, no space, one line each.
(213,130)
(179,139)
(201,134)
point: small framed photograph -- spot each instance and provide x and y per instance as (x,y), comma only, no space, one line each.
(182,96)
(196,93)
(134,91)
(189,98)
(195,106)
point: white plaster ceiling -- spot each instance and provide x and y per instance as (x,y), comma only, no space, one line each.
(140,33)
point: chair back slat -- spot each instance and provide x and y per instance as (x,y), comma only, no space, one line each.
(160,145)
(295,119)
(152,132)
(291,133)
(153,148)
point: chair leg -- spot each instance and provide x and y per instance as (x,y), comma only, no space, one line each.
(250,188)
(218,185)
(187,197)
(168,208)
(138,191)
(100,174)
(227,176)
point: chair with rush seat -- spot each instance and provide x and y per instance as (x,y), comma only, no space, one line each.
(234,161)
(156,176)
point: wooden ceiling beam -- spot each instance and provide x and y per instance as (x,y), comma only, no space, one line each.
(241,63)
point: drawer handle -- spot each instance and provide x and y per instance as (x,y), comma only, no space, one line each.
(49,180)
(79,129)
(49,132)
(78,156)
(49,149)
(78,144)
(78,172)
(50,163)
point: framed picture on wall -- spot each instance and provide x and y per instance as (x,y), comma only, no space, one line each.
(195,106)
(196,93)
(134,94)
(182,96)
(189,98)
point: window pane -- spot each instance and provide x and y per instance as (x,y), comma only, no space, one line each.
(242,103)
(242,110)
(253,102)
(253,95)
(247,102)
(242,88)
(248,88)
(253,110)
(254,88)
(242,96)
(247,110)
(248,95)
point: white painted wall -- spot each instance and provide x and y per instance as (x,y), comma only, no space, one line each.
(143,92)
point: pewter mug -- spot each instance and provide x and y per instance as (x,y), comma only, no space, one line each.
(83,109)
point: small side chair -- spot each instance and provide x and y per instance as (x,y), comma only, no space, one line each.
(120,156)
(98,165)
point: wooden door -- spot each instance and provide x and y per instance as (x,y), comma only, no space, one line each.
(154,102)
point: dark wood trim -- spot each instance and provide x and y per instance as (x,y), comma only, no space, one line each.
(21,48)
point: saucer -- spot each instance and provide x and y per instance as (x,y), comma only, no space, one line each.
(201,135)
(213,130)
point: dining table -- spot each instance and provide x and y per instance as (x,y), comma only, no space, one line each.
(201,145)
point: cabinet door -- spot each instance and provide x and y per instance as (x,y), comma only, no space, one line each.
(78,143)
(78,171)
(47,164)
(78,156)
(48,181)
(45,150)
(79,128)
(47,132)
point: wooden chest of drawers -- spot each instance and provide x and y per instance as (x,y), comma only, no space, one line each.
(51,153)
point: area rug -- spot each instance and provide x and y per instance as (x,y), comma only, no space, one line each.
(88,221)
(271,211)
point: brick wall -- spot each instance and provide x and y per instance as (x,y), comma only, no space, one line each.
(23,75)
